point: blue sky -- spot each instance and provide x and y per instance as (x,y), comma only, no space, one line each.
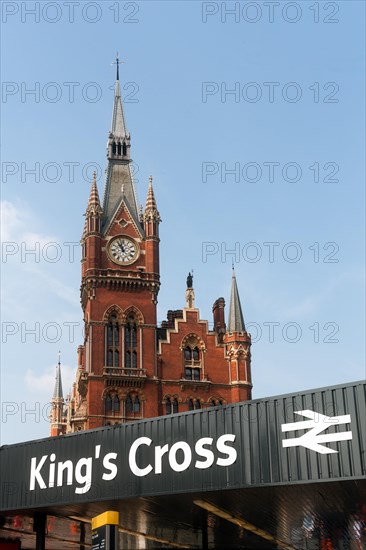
(292,130)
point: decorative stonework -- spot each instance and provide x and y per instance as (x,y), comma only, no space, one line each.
(113,309)
(192,340)
(190,298)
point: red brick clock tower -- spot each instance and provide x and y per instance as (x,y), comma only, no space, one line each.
(130,368)
(120,283)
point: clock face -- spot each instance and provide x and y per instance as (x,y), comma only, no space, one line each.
(123,251)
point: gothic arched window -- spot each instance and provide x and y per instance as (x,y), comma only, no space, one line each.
(124,150)
(114,149)
(131,343)
(108,404)
(192,359)
(171,405)
(188,373)
(119,149)
(112,341)
(116,404)
(187,353)
(111,405)
(133,405)
(168,406)
(136,405)
(129,404)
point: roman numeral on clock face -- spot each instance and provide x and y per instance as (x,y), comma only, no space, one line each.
(123,250)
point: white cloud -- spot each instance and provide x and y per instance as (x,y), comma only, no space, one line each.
(19,262)
(15,223)
(56,286)
(11,221)
(43,383)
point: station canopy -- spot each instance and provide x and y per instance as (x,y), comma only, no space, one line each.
(283,472)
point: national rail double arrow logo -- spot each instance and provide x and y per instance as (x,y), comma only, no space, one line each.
(313,439)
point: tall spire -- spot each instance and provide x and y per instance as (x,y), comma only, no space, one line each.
(119,184)
(118,119)
(236,319)
(57,394)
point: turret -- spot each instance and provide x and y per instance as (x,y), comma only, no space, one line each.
(58,420)
(238,343)
(91,238)
(151,218)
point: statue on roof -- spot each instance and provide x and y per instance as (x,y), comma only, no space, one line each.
(190,280)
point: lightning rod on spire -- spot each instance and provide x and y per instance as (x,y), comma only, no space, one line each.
(118,63)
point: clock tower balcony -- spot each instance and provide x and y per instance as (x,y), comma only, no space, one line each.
(117,376)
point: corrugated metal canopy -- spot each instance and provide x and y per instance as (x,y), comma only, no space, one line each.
(289,473)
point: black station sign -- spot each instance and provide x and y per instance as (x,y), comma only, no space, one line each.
(105,531)
(296,438)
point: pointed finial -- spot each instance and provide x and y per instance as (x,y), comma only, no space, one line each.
(58,382)
(118,63)
(150,199)
(93,203)
(236,318)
